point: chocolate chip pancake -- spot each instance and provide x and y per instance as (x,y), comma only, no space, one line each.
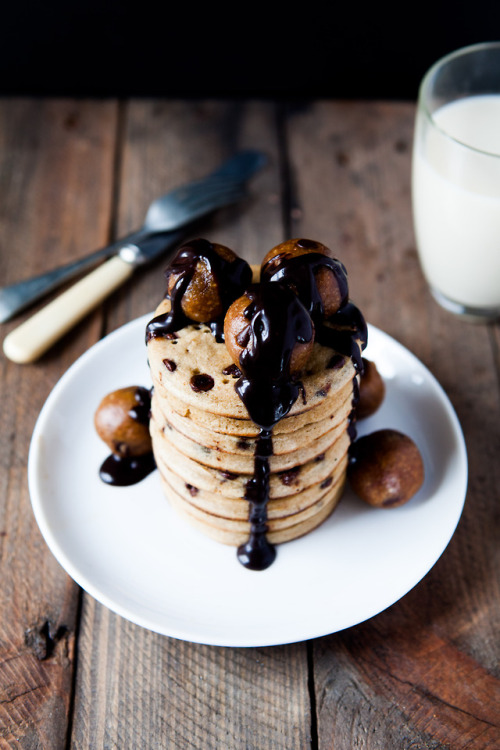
(254,384)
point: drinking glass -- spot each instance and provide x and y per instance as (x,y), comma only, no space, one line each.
(456,181)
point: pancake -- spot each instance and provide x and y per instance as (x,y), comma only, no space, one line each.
(244,427)
(175,362)
(232,485)
(241,463)
(236,507)
(245,444)
(250,431)
(235,533)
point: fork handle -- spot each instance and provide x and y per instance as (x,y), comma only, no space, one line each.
(37,334)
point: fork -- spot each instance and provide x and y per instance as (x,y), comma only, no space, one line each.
(169,212)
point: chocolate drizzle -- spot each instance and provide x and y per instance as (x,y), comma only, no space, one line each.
(231,277)
(123,471)
(277,321)
(267,387)
(300,272)
(347,333)
(257,553)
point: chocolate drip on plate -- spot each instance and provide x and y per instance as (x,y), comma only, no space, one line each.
(123,471)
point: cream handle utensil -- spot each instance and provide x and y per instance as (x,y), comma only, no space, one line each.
(37,334)
(177,209)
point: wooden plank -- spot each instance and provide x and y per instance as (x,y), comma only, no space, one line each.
(168,143)
(136,688)
(424,673)
(56,166)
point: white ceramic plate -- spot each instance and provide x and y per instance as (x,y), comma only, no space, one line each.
(128,549)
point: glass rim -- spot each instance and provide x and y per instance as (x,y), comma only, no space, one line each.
(429,75)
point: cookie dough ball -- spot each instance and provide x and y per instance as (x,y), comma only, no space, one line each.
(386,468)
(206,277)
(274,310)
(371,390)
(311,270)
(122,421)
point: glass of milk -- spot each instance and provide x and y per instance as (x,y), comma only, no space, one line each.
(456,181)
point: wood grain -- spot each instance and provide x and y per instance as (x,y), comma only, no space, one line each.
(423,674)
(56,163)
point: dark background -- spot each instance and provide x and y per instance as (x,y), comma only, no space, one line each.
(353,50)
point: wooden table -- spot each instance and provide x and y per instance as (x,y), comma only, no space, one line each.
(424,673)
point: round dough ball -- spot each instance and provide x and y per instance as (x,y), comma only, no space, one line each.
(215,276)
(122,421)
(238,333)
(293,261)
(371,390)
(386,468)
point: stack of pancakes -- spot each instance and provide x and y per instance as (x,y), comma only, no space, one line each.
(204,441)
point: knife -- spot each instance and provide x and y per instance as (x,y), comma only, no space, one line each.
(37,334)
(171,211)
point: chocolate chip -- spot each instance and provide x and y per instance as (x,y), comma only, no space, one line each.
(326,483)
(228,475)
(202,382)
(170,364)
(290,476)
(232,370)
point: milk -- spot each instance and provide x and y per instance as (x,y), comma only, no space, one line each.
(456,200)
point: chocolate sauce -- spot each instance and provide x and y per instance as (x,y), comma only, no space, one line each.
(347,333)
(232,370)
(121,469)
(142,409)
(267,387)
(277,321)
(299,272)
(257,553)
(231,278)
